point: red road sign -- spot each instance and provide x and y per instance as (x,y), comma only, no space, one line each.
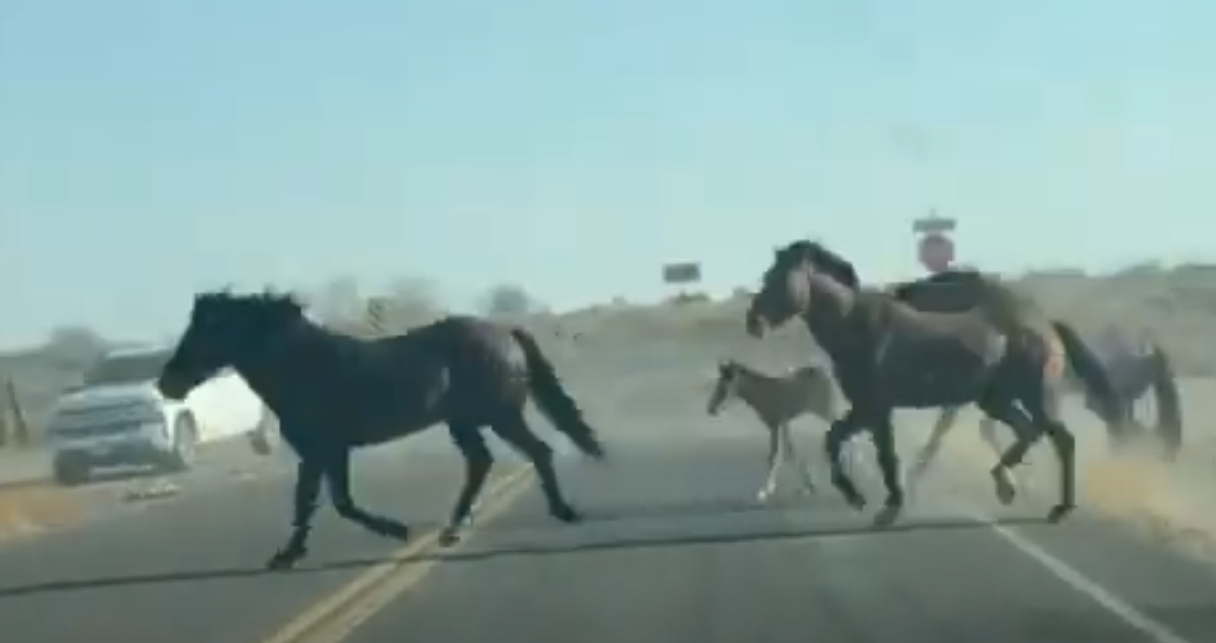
(936,252)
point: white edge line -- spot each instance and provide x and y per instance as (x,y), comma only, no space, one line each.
(1121,609)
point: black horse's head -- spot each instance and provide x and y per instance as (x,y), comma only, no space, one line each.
(224,330)
(785,287)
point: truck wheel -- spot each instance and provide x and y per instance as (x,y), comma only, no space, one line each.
(185,443)
(69,471)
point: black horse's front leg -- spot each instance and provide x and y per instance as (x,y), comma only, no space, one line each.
(888,464)
(478,462)
(837,435)
(309,473)
(338,475)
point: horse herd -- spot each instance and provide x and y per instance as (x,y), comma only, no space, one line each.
(950,340)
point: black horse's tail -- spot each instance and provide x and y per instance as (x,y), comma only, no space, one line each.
(1097,382)
(1169,403)
(553,400)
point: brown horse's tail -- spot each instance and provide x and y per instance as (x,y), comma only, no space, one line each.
(553,400)
(1089,368)
(1169,403)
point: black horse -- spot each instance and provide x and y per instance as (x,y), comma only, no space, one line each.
(887,354)
(333,393)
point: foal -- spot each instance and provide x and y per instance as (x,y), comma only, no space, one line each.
(777,401)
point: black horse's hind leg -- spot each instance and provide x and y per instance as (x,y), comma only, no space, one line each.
(888,464)
(307,489)
(478,460)
(841,431)
(988,435)
(1026,434)
(337,473)
(515,431)
(928,453)
(1044,413)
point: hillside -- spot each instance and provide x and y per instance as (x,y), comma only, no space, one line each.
(1177,305)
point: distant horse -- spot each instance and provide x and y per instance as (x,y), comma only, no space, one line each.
(777,401)
(333,393)
(1134,369)
(888,355)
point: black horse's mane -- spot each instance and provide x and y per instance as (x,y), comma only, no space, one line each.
(265,297)
(281,306)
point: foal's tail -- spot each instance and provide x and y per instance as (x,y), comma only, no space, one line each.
(553,400)
(1169,403)
(1089,368)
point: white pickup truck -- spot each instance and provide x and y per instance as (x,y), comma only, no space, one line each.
(118,418)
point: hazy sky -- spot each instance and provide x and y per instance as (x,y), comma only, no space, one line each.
(151,148)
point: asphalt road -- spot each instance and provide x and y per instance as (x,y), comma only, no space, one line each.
(674,549)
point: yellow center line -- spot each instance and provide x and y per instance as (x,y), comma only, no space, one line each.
(332,619)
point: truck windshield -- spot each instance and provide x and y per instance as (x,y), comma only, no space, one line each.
(127,369)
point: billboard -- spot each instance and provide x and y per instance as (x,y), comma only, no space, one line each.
(685,272)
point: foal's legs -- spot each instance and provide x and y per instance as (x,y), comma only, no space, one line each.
(841,431)
(775,447)
(309,472)
(337,474)
(791,457)
(514,429)
(477,464)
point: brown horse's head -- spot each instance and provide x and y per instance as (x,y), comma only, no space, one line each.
(786,287)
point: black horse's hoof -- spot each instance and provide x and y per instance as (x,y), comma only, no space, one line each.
(566,514)
(449,536)
(396,532)
(888,515)
(1060,512)
(284,559)
(856,501)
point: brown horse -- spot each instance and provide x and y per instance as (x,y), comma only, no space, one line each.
(960,290)
(888,355)
(777,401)
(334,393)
